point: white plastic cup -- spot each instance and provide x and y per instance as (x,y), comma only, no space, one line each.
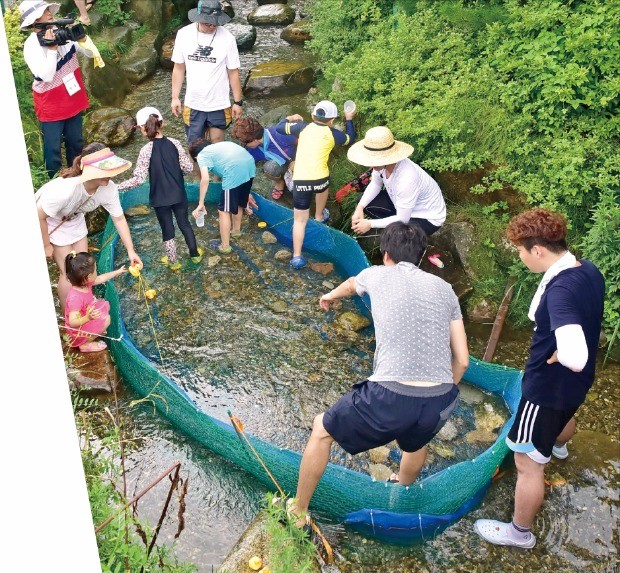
(349,106)
(200,220)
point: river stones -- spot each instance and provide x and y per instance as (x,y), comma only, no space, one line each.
(448,432)
(470,394)
(213,261)
(297,32)
(352,321)
(480,436)
(268,238)
(278,78)
(482,311)
(141,61)
(488,419)
(323,268)
(279,306)
(110,125)
(109,84)
(282,255)
(165,56)
(272,14)
(379,472)
(137,211)
(245,35)
(379,455)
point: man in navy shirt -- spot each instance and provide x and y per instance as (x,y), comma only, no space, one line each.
(567,309)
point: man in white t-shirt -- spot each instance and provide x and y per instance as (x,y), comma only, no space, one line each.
(411,195)
(206,54)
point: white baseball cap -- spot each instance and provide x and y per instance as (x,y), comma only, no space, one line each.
(31,10)
(325,110)
(143,115)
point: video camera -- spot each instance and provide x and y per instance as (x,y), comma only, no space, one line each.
(64,31)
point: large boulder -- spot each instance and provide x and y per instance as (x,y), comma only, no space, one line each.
(141,61)
(245,35)
(110,125)
(297,32)
(459,239)
(146,12)
(278,78)
(272,14)
(165,54)
(109,84)
(276,114)
(115,36)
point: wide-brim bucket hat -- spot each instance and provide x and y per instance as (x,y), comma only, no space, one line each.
(209,12)
(379,148)
(103,164)
(31,10)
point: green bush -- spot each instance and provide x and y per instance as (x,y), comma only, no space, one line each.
(528,91)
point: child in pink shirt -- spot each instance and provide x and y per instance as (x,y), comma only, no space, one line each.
(86,317)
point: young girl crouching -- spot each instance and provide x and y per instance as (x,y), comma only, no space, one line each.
(86,317)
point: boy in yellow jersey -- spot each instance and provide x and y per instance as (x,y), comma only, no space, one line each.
(311,173)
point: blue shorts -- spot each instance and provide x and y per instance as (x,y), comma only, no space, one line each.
(375,413)
(303,191)
(232,199)
(198,122)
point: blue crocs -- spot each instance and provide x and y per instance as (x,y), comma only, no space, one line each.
(325,216)
(298,262)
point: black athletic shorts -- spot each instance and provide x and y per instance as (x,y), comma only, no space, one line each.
(303,191)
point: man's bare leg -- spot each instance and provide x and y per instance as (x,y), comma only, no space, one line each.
(410,465)
(313,464)
(529,491)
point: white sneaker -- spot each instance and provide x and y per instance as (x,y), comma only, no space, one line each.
(560,452)
(496,532)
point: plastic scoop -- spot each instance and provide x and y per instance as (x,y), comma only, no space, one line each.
(262,225)
(349,106)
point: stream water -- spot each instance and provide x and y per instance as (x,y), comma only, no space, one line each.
(578,526)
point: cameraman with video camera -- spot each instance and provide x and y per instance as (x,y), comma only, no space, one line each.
(58,89)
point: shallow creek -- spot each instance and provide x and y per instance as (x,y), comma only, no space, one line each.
(277,322)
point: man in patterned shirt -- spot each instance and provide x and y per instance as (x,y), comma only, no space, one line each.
(421,354)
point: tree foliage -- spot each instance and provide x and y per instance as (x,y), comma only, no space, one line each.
(528,90)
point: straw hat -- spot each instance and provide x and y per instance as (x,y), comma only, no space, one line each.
(31,10)
(209,12)
(379,148)
(102,164)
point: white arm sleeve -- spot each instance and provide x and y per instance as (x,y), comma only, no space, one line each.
(572,347)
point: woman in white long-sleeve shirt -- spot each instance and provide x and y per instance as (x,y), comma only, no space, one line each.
(411,194)
(58,88)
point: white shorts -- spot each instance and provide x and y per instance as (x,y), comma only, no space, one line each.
(70,232)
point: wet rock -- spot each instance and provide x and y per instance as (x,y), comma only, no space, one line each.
(227,8)
(110,125)
(273,116)
(137,210)
(379,455)
(452,272)
(90,371)
(141,61)
(279,306)
(442,450)
(278,78)
(448,432)
(480,436)
(269,238)
(469,394)
(215,293)
(282,255)
(352,321)
(315,377)
(488,419)
(482,311)
(328,284)
(245,35)
(165,56)
(213,261)
(264,2)
(323,268)
(115,36)
(109,84)
(146,12)
(272,15)
(297,32)
(379,472)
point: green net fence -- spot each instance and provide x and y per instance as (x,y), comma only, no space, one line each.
(340,491)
